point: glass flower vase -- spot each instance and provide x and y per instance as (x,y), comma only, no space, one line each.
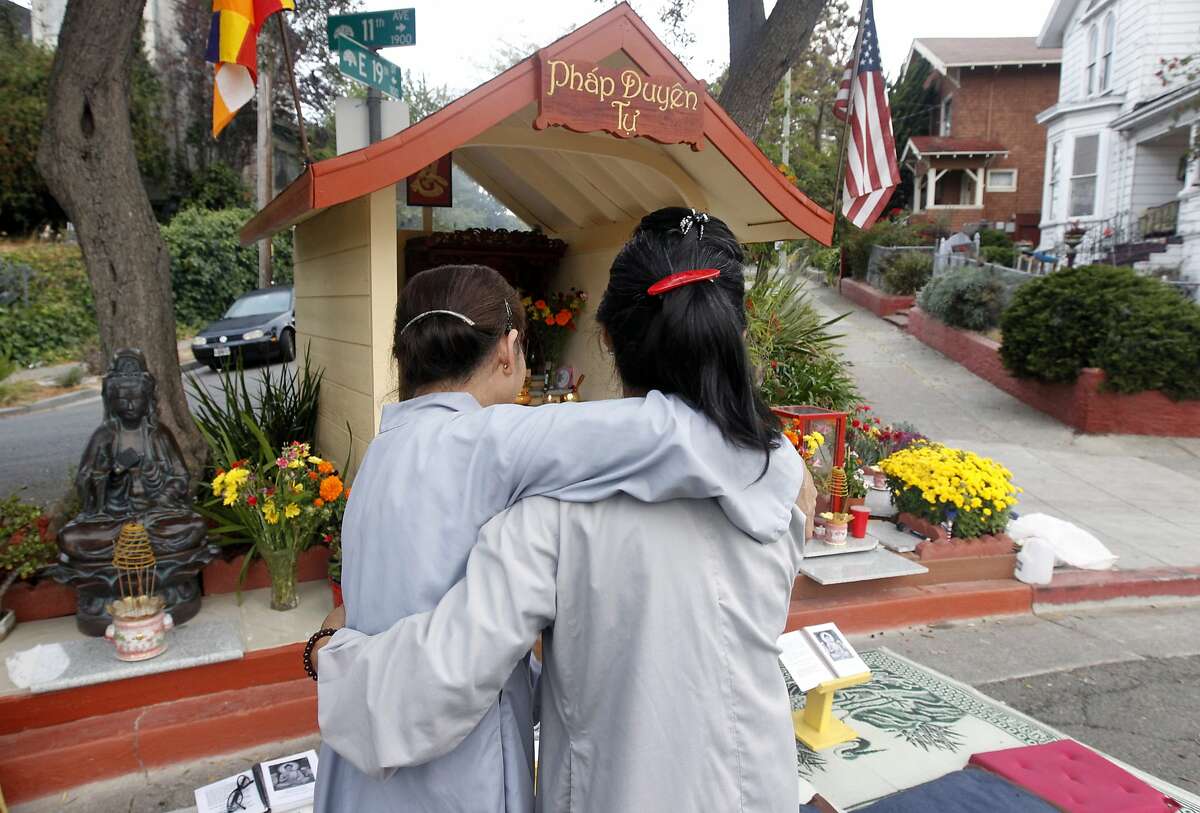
(283,566)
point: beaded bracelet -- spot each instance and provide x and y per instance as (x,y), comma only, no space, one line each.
(308,650)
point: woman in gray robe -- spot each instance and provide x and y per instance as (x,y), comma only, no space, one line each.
(443,465)
(661,689)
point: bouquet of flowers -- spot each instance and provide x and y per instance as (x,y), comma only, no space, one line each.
(941,484)
(551,320)
(806,444)
(281,505)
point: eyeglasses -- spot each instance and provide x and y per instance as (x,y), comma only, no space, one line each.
(237,795)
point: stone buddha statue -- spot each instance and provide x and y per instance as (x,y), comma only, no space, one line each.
(132,471)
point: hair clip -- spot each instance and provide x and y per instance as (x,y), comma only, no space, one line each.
(682,278)
(420,316)
(694,218)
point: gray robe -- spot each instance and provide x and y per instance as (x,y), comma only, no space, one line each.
(440,468)
(661,689)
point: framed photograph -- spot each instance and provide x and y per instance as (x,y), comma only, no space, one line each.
(564,377)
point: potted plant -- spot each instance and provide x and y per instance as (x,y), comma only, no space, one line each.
(934,484)
(26,548)
(280,506)
(836,523)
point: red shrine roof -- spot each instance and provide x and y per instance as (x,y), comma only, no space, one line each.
(730,167)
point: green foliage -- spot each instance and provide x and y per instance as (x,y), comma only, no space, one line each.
(914,104)
(209,268)
(906,272)
(828,261)
(995,237)
(242,421)
(59,318)
(1142,333)
(26,545)
(858,243)
(971,299)
(1000,255)
(25,202)
(790,344)
(71,378)
(215,187)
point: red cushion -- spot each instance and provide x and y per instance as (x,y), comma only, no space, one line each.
(1075,779)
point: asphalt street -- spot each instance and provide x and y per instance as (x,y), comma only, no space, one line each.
(39,451)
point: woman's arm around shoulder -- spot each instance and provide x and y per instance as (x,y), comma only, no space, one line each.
(413,692)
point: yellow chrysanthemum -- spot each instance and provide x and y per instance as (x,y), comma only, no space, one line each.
(291,511)
(270,512)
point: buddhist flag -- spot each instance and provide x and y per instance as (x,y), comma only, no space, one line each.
(233,49)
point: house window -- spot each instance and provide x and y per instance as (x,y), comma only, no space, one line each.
(1054,205)
(1002,180)
(947,106)
(1083,176)
(1106,58)
(1093,47)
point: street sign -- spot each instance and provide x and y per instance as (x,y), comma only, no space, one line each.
(368,67)
(375,29)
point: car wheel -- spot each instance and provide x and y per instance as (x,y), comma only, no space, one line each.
(287,345)
(214,366)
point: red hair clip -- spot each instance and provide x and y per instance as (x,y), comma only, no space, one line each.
(682,278)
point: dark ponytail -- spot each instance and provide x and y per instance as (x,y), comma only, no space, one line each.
(688,341)
(443,348)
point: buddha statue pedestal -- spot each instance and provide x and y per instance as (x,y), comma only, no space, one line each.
(132,471)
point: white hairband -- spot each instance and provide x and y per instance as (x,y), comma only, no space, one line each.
(420,316)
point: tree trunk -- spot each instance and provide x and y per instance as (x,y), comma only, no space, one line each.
(760,52)
(87,160)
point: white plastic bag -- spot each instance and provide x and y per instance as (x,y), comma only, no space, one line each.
(1072,545)
(41,664)
(1035,562)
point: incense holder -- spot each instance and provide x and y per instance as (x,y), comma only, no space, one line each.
(139,628)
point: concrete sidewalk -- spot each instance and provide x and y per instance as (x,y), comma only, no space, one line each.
(1139,495)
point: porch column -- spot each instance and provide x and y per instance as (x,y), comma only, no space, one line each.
(930,187)
(979,187)
(916,193)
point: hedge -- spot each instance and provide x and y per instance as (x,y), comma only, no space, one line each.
(59,319)
(209,268)
(1141,332)
(858,243)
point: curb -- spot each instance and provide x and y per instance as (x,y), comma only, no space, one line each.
(51,403)
(73,397)
(892,607)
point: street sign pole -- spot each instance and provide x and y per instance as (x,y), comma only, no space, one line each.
(356,40)
(374,117)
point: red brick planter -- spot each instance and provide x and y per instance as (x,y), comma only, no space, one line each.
(221,576)
(943,547)
(1083,405)
(34,602)
(873,299)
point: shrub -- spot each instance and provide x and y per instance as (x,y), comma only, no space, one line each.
(994,238)
(209,268)
(828,261)
(58,320)
(970,298)
(791,346)
(1142,333)
(1000,255)
(907,272)
(858,243)
(26,545)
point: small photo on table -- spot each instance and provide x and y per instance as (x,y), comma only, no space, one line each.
(835,645)
(293,773)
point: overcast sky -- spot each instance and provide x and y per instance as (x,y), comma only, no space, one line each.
(457,39)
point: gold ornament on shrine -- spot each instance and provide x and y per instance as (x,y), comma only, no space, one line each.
(134,561)
(837,488)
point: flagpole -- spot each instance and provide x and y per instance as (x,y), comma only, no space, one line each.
(839,187)
(287,57)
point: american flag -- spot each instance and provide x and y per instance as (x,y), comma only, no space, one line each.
(871,172)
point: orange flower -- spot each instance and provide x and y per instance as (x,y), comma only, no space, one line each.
(318,503)
(346,494)
(540,304)
(563,317)
(331,488)
(325,467)
(312,475)
(550,320)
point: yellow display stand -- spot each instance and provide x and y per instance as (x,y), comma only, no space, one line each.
(815,724)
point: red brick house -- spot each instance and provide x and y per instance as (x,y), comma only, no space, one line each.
(984,163)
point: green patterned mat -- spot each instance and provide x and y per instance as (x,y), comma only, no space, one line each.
(914,725)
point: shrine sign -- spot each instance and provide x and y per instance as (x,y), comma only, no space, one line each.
(585,97)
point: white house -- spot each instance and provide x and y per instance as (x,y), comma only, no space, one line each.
(1120,160)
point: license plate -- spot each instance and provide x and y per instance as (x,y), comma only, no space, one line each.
(220,352)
